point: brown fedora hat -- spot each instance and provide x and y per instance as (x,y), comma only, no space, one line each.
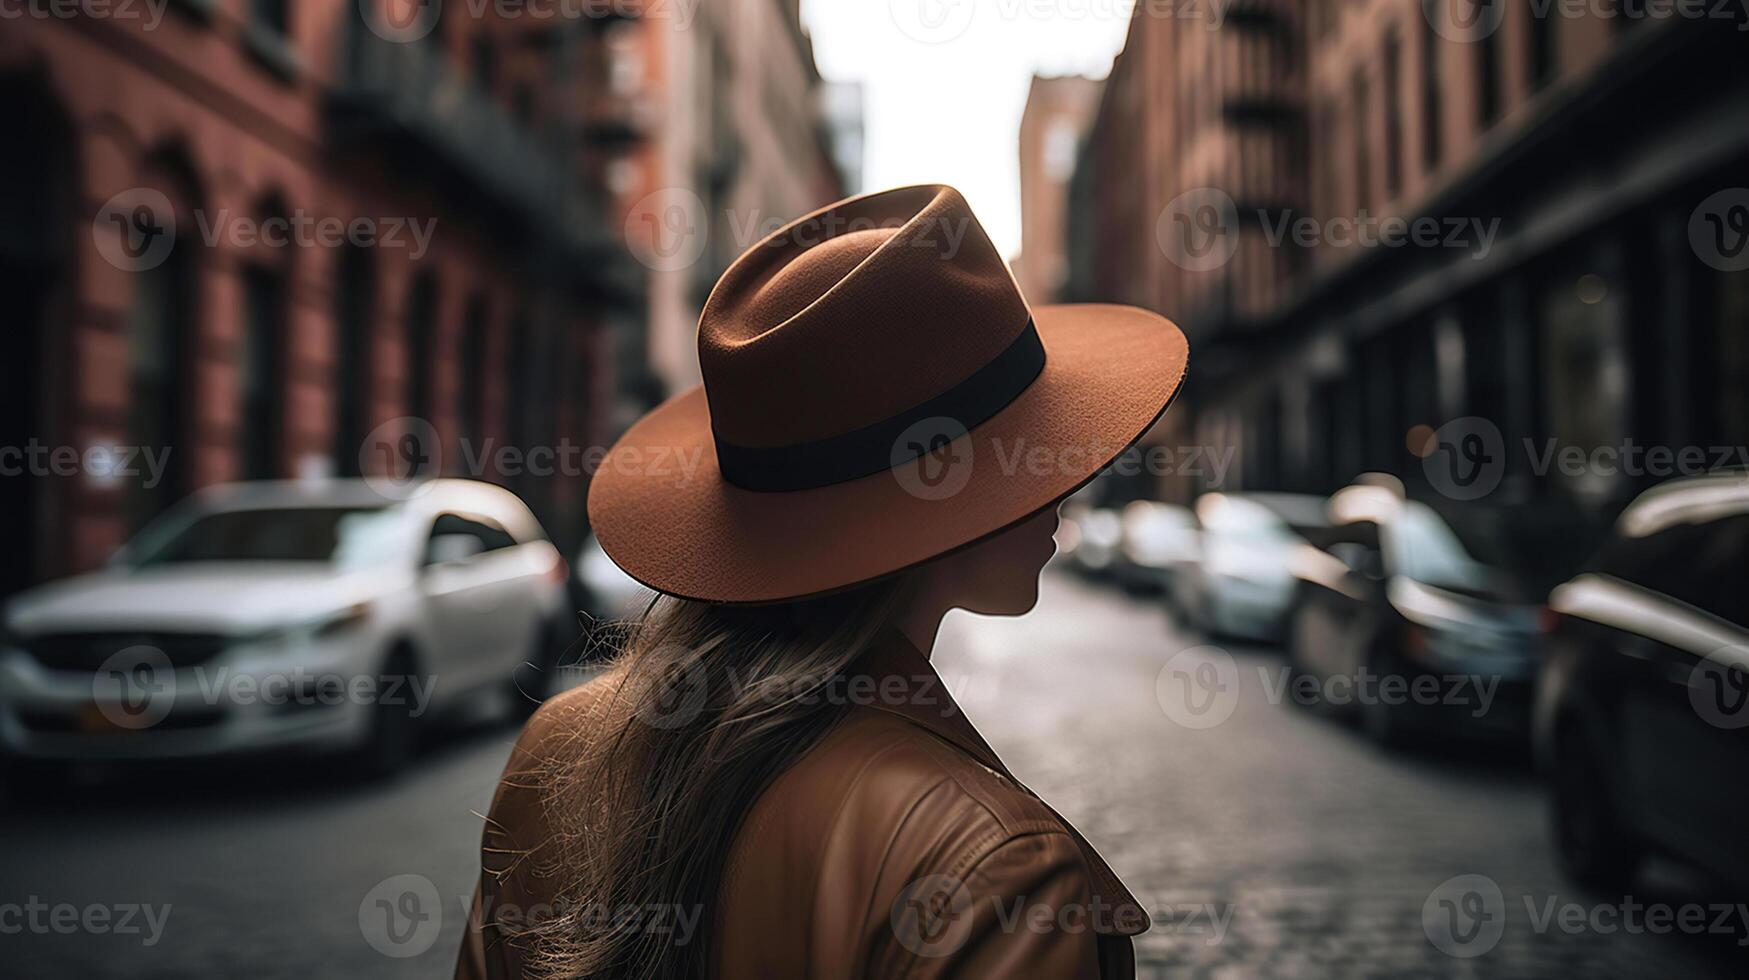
(876,393)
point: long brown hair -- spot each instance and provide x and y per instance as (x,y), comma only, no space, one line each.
(721,700)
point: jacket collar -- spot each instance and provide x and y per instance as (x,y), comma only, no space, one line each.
(893,663)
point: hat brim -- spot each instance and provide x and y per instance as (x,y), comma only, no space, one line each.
(664,514)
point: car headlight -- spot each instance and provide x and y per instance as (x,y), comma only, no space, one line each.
(321,628)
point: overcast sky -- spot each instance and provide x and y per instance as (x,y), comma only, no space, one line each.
(945,82)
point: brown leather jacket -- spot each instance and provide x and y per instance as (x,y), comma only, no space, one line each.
(897,847)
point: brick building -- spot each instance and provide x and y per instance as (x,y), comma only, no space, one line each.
(1052,125)
(741,138)
(292,149)
(1571,173)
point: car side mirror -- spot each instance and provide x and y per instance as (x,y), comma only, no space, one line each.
(445,549)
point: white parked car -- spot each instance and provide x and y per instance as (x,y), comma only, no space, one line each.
(315,614)
(1245,584)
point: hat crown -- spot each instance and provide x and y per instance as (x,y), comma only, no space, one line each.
(854,314)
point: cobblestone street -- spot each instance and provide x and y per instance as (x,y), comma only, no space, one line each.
(1279,843)
(1275,843)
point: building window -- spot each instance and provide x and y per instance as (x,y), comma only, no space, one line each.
(1393,116)
(1488,79)
(1431,104)
(1325,160)
(1586,373)
(272,15)
(421,323)
(1542,47)
(485,62)
(159,322)
(470,383)
(262,372)
(355,335)
(1362,142)
(1732,364)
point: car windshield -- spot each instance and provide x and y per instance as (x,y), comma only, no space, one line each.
(1424,548)
(343,536)
(1240,521)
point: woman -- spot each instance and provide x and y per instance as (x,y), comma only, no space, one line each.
(771,781)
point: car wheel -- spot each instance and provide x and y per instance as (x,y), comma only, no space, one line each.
(394,721)
(1592,842)
(1383,721)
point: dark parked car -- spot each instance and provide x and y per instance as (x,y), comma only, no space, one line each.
(1643,708)
(1416,621)
(1240,585)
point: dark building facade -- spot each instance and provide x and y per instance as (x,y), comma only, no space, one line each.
(1532,226)
(243,237)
